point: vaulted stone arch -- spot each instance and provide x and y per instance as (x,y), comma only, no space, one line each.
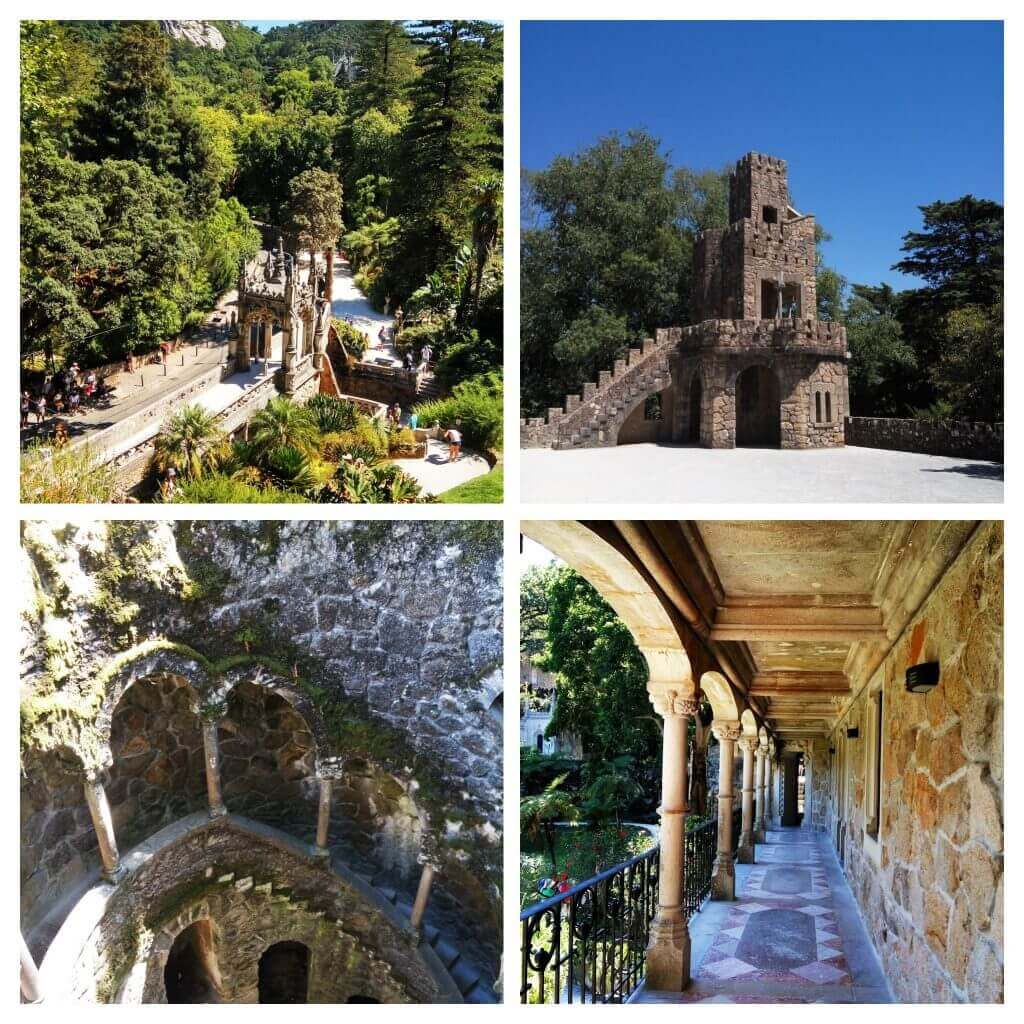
(720,696)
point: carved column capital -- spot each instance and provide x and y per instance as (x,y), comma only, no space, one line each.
(748,744)
(726,730)
(673,703)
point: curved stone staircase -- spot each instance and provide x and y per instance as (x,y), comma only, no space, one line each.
(57,940)
(593,419)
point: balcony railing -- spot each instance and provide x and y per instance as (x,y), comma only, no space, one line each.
(588,945)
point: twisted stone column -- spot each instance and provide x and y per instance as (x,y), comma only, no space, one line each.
(723,876)
(99,811)
(323,819)
(211,758)
(760,773)
(745,853)
(31,987)
(668,952)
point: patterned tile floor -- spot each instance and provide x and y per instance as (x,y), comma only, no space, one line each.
(793,934)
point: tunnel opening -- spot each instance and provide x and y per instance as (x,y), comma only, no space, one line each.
(284,973)
(191,974)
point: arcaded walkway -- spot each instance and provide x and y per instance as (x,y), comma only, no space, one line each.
(793,935)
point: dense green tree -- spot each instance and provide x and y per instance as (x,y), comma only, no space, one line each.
(602,690)
(313,214)
(386,61)
(136,115)
(225,236)
(968,376)
(612,244)
(881,360)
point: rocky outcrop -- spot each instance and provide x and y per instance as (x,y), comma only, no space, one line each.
(199,33)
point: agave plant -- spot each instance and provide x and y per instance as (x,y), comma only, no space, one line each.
(190,443)
(282,424)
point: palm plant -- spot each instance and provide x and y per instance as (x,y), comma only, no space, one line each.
(538,813)
(282,424)
(331,414)
(289,469)
(190,443)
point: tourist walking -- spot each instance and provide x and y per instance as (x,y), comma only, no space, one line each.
(425,353)
(26,408)
(407,359)
(454,438)
(40,409)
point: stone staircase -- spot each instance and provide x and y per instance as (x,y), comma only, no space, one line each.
(593,419)
(470,981)
(427,388)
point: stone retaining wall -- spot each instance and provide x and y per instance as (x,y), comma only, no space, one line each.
(958,439)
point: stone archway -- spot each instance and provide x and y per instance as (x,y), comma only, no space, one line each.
(284,973)
(191,974)
(758,407)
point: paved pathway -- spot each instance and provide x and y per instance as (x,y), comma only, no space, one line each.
(688,473)
(436,474)
(793,935)
(134,392)
(349,302)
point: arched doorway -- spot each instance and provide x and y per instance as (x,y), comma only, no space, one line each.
(696,391)
(758,413)
(191,974)
(284,973)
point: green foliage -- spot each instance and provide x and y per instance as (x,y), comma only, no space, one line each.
(289,469)
(217,489)
(65,475)
(466,355)
(539,812)
(478,403)
(611,786)
(361,484)
(401,443)
(881,360)
(313,215)
(488,489)
(602,686)
(225,236)
(331,414)
(190,442)
(282,423)
(608,237)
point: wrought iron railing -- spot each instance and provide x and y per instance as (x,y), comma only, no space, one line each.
(701,846)
(587,945)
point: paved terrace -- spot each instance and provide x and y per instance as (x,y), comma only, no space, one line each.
(793,934)
(658,473)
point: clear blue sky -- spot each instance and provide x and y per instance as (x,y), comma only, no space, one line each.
(874,118)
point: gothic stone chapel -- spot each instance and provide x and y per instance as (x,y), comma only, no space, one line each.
(755,368)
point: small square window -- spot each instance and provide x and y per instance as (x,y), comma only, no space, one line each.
(770,215)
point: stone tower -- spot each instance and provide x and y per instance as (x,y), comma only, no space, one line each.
(757,366)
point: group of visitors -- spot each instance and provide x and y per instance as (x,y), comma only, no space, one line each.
(61,394)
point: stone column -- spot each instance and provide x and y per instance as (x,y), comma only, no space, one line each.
(211,758)
(668,952)
(760,772)
(422,895)
(723,877)
(323,819)
(745,853)
(31,987)
(99,811)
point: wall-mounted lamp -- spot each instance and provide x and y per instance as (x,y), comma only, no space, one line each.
(922,678)
(852,734)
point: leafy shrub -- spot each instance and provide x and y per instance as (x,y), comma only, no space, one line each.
(466,357)
(352,339)
(65,475)
(401,443)
(478,403)
(331,414)
(367,435)
(418,335)
(217,489)
(373,485)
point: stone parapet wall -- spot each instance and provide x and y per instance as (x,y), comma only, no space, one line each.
(814,337)
(958,438)
(931,888)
